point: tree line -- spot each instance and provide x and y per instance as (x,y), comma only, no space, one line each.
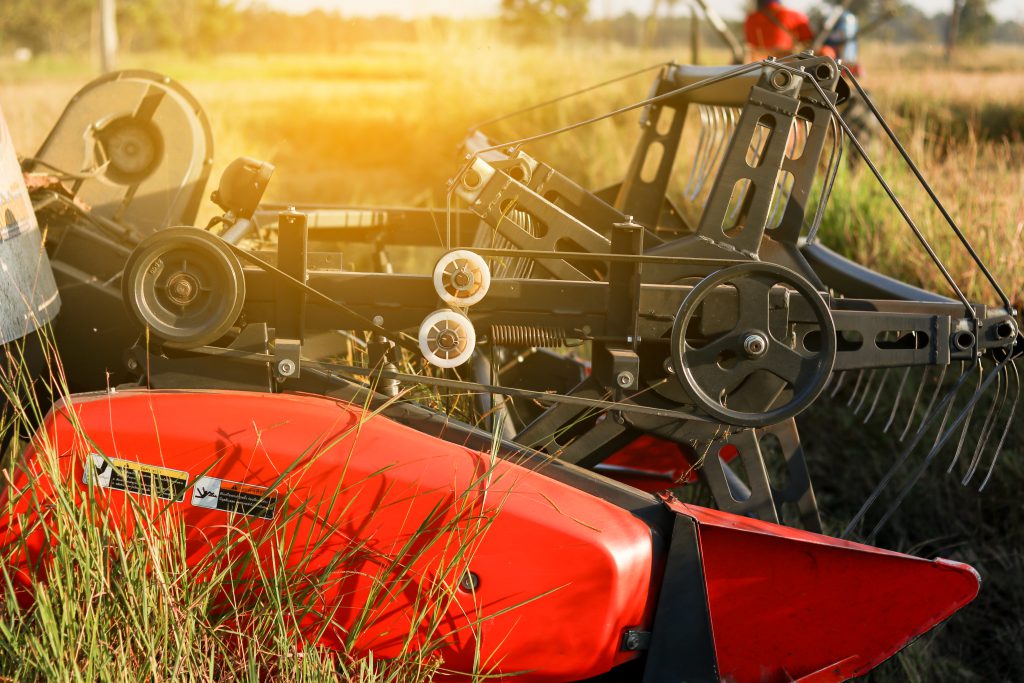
(211,26)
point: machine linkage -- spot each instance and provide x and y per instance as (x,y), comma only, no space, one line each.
(707,319)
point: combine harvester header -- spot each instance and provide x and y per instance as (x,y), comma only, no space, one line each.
(546,529)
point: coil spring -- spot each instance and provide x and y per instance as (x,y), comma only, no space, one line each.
(527,335)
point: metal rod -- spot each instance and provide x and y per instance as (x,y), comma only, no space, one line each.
(460,384)
(928,188)
(888,191)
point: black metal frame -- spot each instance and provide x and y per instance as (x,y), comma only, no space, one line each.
(612,268)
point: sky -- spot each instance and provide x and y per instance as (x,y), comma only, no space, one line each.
(730,9)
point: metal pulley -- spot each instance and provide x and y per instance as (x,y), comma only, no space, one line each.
(129,149)
(447,338)
(461,278)
(713,360)
(185,285)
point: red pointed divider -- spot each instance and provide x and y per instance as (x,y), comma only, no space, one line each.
(789,605)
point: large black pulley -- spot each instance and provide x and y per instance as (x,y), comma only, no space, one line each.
(185,285)
(746,322)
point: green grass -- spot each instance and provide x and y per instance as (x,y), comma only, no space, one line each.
(120,599)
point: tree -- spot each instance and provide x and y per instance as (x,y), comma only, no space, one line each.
(47,25)
(976,22)
(543,17)
(970,22)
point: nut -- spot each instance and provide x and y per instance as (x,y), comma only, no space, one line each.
(286,367)
(755,344)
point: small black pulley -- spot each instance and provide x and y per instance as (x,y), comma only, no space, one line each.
(738,323)
(185,285)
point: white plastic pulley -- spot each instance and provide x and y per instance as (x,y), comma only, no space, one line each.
(462,278)
(447,338)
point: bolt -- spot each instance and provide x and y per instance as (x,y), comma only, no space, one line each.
(668,367)
(632,640)
(462,279)
(469,582)
(625,378)
(447,340)
(286,367)
(755,344)
(378,320)
(182,289)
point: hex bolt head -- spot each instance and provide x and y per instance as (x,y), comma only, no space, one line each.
(286,367)
(755,344)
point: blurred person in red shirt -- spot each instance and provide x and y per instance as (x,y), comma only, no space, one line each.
(776,31)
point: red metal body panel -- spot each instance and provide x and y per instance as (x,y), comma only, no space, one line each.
(573,571)
(791,605)
(562,573)
(650,464)
(654,465)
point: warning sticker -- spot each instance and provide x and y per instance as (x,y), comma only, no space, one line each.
(134,477)
(232,496)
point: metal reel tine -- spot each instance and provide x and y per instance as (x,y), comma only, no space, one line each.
(856,387)
(935,396)
(967,421)
(878,395)
(896,401)
(936,448)
(917,399)
(949,408)
(839,383)
(702,143)
(901,460)
(1006,428)
(728,121)
(706,161)
(867,390)
(998,398)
